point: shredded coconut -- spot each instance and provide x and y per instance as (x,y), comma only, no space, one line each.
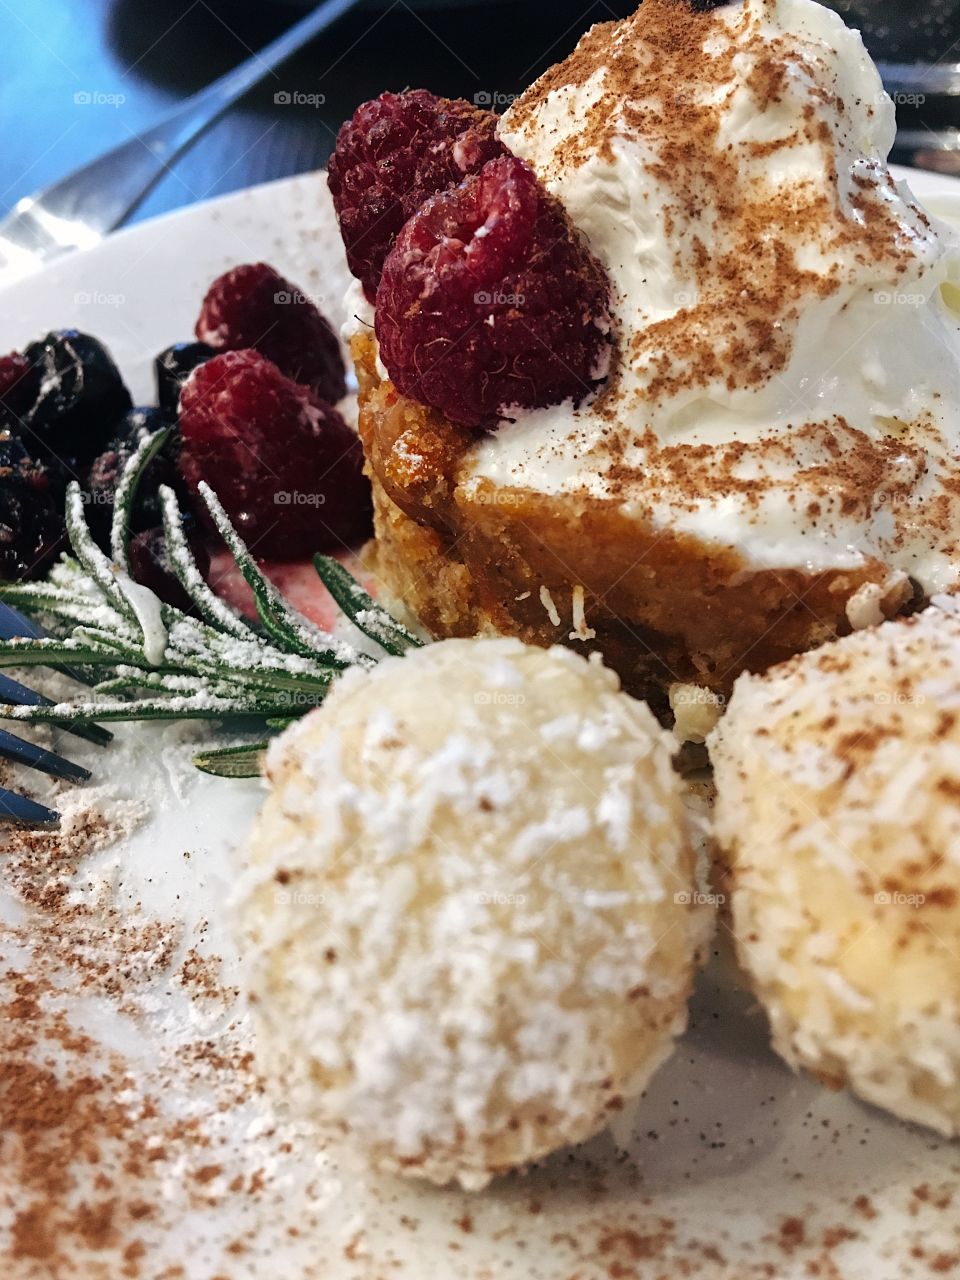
(546,599)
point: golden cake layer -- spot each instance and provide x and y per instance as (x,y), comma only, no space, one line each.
(662,608)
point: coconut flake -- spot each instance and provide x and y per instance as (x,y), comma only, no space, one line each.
(580,629)
(546,599)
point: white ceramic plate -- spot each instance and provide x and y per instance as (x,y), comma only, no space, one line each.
(137,1142)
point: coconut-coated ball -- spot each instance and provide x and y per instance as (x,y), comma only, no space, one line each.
(838,813)
(469,918)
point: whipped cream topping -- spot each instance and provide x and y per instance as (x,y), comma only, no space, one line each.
(789,373)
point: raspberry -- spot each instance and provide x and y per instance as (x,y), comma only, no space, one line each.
(252,307)
(396,152)
(490,301)
(284,463)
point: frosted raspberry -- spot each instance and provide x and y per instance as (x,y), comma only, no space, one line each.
(253,307)
(396,152)
(287,468)
(490,300)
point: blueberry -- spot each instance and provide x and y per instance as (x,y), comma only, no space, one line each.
(79,400)
(173,367)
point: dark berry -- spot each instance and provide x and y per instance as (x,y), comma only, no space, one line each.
(172,368)
(491,301)
(253,308)
(32,530)
(396,152)
(104,477)
(150,565)
(80,398)
(287,468)
(17,384)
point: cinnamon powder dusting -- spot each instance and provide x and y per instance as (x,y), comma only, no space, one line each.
(90,1142)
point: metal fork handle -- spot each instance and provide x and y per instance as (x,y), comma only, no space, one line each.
(75,212)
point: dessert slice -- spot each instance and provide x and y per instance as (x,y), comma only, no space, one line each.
(760,452)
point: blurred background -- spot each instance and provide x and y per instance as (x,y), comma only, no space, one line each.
(80,76)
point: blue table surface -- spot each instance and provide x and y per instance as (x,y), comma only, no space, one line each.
(80,76)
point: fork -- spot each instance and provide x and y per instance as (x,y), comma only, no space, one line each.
(80,209)
(14,807)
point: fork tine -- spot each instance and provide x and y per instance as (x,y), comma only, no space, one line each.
(14,624)
(18,695)
(18,809)
(34,757)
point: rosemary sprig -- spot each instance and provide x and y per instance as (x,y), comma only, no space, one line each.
(291,631)
(151,661)
(362,610)
(233,762)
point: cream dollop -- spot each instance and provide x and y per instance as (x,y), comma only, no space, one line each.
(789,381)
